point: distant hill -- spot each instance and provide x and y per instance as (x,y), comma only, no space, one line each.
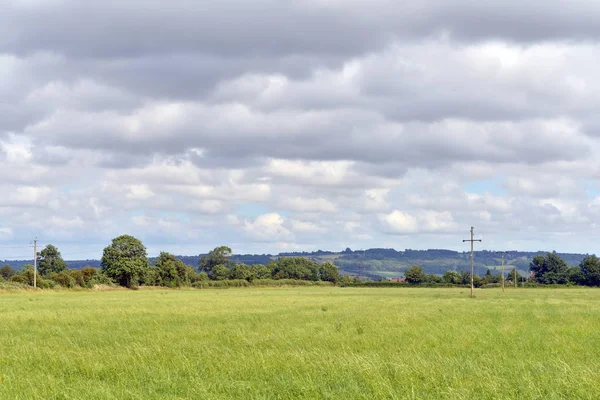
(379,263)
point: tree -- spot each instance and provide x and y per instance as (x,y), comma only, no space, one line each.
(7,272)
(451,277)
(125,260)
(550,269)
(415,275)
(220,273)
(590,269)
(171,271)
(261,271)
(433,278)
(242,271)
(295,268)
(329,272)
(50,261)
(218,256)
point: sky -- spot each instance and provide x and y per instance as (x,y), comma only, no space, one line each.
(274,126)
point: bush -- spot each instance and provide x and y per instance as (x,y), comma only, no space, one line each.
(100,280)
(77,275)
(22,279)
(64,279)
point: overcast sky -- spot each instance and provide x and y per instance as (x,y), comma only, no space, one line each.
(274,125)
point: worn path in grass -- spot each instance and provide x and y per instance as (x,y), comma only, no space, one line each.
(308,342)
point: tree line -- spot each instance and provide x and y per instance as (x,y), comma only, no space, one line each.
(549,269)
(125,262)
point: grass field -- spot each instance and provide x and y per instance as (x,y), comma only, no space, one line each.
(310,342)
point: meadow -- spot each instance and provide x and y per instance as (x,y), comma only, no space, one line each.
(300,343)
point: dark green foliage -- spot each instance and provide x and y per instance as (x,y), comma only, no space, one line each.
(295,268)
(125,260)
(220,272)
(550,269)
(590,271)
(242,271)
(50,261)
(415,275)
(451,277)
(433,278)
(329,272)
(172,272)
(224,284)
(217,257)
(6,272)
(262,271)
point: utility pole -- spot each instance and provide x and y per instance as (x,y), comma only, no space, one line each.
(35,263)
(515,277)
(472,258)
(502,272)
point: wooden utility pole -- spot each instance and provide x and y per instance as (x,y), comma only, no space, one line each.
(35,263)
(502,272)
(472,240)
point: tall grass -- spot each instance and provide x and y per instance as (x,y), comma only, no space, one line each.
(300,342)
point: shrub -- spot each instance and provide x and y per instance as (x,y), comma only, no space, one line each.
(21,278)
(64,279)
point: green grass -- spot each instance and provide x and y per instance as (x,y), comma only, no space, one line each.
(308,342)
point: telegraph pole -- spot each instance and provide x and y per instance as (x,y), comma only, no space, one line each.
(35,263)
(502,272)
(472,240)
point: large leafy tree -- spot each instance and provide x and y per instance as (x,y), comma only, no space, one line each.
(590,269)
(295,268)
(550,269)
(125,260)
(171,271)
(50,261)
(415,275)
(217,257)
(329,272)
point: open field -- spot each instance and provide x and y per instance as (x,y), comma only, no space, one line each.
(309,342)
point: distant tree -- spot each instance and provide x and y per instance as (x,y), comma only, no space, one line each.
(415,275)
(451,277)
(218,256)
(576,276)
(590,270)
(125,260)
(433,278)
(220,273)
(295,268)
(242,271)
(550,269)
(329,272)
(7,272)
(261,271)
(465,277)
(171,271)
(50,261)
